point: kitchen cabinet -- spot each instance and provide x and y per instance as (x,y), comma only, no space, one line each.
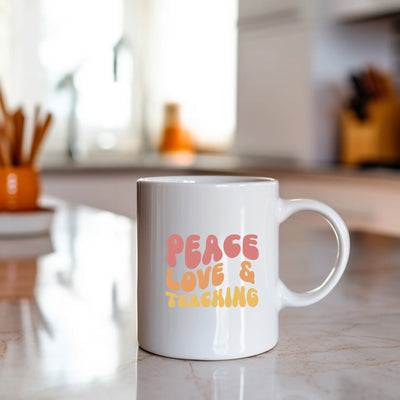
(355,10)
(367,201)
(264,12)
(275,104)
(109,190)
(294,59)
(273,92)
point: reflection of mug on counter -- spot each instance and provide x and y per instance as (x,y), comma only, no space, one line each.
(247,378)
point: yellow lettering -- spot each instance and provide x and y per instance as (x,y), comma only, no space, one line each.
(205,301)
(171,301)
(194,301)
(218,299)
(252,298)
(239,296)
(182,302)
(228,298)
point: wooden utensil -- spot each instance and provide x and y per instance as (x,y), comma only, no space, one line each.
(12,135)
(40,133)
(2,163)
(35,134)
(7,134)
(5,152)
(19,123)
(2,104)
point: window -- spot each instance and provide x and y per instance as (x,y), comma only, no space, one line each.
(105,68)
(192,61)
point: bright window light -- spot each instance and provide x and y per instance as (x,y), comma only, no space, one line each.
(192,61)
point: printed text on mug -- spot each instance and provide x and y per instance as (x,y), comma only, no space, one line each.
(211,274)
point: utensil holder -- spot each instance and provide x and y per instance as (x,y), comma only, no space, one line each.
(375,139)
(19,188)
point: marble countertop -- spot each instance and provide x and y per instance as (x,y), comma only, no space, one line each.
(68,321)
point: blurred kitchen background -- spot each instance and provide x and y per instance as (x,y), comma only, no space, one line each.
(303,90)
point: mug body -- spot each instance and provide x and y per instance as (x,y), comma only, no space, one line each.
(207,266)
(19,188)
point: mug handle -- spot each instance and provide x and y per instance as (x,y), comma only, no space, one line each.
(288,298)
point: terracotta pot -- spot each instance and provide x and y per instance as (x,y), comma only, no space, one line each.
(19,188)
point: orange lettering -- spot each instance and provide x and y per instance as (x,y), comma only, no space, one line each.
(172,285)
(188,281)
(217,274)
(204,277)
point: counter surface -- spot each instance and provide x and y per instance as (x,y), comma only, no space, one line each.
(173,164)
(68,321)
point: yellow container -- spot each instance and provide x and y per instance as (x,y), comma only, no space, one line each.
(375,139)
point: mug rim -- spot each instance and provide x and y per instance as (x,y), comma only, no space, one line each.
(207,180)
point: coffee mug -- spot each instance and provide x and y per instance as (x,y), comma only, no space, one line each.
(208,277)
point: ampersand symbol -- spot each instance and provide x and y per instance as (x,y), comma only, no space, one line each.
(245,274)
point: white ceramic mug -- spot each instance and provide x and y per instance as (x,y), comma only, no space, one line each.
(208,276)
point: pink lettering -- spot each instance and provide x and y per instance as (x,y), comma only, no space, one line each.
(232,249)
(192,257)
(212,249)
(175,246)
(250,250)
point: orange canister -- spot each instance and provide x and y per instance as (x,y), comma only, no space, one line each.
(19,188)
(174,138)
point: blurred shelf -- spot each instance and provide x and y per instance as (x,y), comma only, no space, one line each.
(207,164)
(362,10)
(367,199)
